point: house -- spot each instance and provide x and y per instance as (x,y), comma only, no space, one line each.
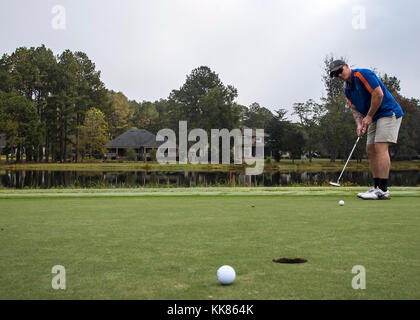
(248,151)
(141,141)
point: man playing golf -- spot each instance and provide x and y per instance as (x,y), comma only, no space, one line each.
(375,110)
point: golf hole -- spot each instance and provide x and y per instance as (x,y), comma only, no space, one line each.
(287,260)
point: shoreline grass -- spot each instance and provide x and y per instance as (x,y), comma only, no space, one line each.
(282,166)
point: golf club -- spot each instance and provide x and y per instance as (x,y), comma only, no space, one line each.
(337,184)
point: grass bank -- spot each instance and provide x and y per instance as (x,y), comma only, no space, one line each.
(286,165)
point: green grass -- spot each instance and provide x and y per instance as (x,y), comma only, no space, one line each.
(129,244)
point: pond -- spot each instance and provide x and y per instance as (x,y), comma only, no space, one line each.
(76,179)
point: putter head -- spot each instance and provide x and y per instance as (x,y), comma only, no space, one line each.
(335,184)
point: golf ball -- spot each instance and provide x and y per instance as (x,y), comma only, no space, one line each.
(226,274)
(341,203)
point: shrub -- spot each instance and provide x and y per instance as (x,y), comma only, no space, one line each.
(131,155)
(269,160)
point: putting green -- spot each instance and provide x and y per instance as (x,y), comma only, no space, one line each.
(144,244)
(208,191)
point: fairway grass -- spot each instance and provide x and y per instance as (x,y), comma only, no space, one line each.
(168,244)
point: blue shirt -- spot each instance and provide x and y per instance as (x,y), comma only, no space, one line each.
(359,94)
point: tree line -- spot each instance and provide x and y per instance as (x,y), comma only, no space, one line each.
(56,108)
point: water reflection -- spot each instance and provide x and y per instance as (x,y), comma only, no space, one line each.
(48,179)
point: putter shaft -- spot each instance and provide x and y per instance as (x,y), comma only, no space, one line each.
(354,147)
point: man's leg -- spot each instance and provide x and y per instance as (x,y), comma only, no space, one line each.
(380,134)
(383,164)
(383,161)
(379,165)
(373,163)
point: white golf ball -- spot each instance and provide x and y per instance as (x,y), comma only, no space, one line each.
(341,203)
(226,274)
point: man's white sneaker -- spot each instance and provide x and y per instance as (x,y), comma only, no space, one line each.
(385,195)
(361,194)
(377,194)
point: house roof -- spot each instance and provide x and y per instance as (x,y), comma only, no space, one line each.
(134,139)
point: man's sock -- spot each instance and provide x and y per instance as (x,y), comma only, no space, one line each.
(376,182)
(383,184)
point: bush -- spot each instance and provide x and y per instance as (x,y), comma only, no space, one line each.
(153,154)
(269,160)
(131,155)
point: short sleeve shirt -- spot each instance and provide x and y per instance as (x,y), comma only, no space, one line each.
(359,94)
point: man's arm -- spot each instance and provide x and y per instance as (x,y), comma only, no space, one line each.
(371,83)
(358,117)
(375,103)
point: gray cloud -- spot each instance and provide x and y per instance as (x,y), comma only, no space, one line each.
(271,51)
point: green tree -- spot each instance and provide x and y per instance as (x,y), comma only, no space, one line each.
(294,141)
(169,114)
(257,117)
(408,145)
(90,91)
(310,114)
(145,116)
(276,130)
(24,73)
(337,126)
(20,122)
(218,109)
(6,81)
(61,87)
(93,133)
(64,102)
(30,72)
(120,113)
(187,98)
(46,64)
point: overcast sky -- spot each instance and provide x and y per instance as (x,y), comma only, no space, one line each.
(272,51)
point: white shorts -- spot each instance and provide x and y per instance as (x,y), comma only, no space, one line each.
(384,130)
